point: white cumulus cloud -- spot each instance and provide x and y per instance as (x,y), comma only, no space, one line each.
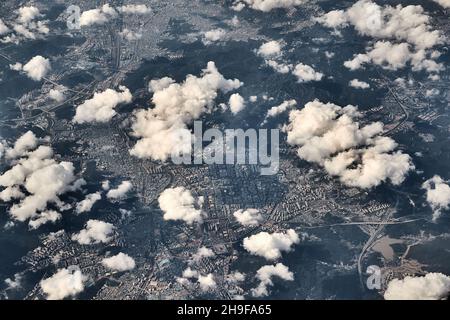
(120,191)
(88,202)
(249,217)
(265,275)
(438,195)
(432,286)
(100,108)
(270,245)
(305,73)
(96,231)
(37,68)
(236,103)
(179,204)
(162,130)
(64,283)
(119,262)
(360,156)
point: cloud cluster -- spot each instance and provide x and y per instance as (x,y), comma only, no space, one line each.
(100,108)
(305,73)
(249,217)
(265,275)
(106,13)
(26,26)
(162,129)
(268,5)
(179,204)
(400,23)
(270,245)
(88,202)
(438,195)
(432,286)
(271,52)
(328,135)
(119,262)
(96,231)
(393,56)
(36,179)
(405,26)
(36,69)
(120,191)
(64,283)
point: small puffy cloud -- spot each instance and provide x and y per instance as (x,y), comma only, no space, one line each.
(275,111)
(398,29)
(269,49)
(438,195)
(265,275)
(179,204)
(161,130)
(207,282)
(279,67)
(432,286)
(88,202)
(360,156)
(249,217)
(305,73)
(120,191)
(97,16)
(96,231)
(268,5)
(355,83)
(214,35)
(141,9)
(37,68)
(57,94)
(119,262)
(236,103)
(270,245)
(64,283)
(201,253)
(100,108)
(43,218)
